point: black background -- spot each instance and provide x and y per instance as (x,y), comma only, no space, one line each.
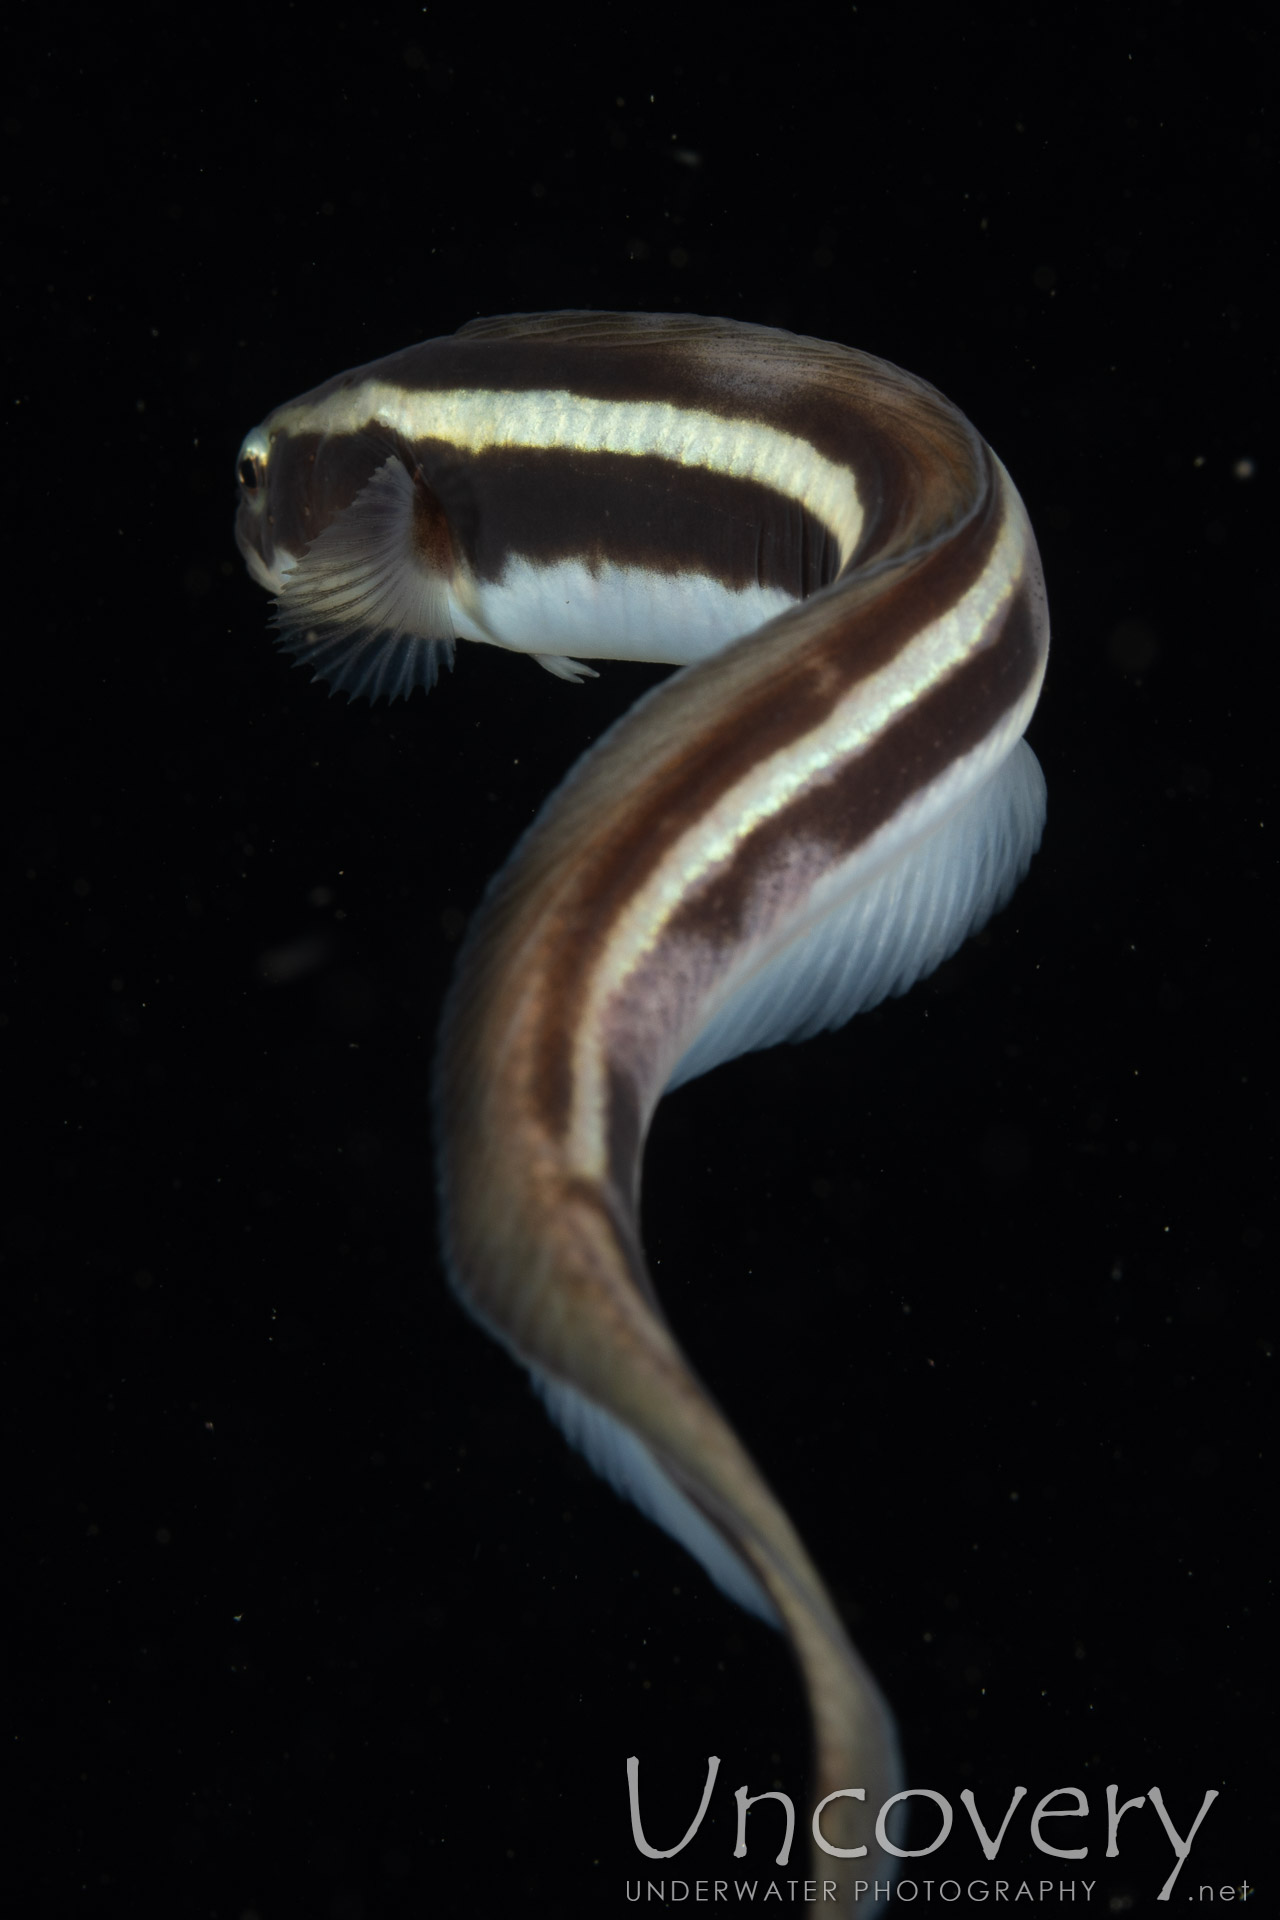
(317,1616)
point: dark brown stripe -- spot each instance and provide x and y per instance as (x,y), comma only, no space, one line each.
(556,504)
(432,535)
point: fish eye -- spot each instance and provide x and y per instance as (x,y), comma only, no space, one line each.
(251,462)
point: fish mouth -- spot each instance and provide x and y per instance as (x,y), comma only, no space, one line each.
(271,573)
(273,577)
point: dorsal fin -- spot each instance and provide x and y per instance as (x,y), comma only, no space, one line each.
(577,323)
(583,326)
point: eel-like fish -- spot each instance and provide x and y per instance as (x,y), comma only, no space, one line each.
(816,811)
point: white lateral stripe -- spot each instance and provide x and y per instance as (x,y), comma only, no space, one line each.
(474,421)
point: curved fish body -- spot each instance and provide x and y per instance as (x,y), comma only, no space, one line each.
(819,809)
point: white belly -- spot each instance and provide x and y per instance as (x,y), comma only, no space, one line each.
(610,613)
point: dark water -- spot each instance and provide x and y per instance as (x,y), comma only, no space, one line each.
(317,1616)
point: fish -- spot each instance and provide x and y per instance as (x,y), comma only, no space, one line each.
(818,807)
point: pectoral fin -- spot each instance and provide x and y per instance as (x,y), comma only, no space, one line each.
(367,606)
